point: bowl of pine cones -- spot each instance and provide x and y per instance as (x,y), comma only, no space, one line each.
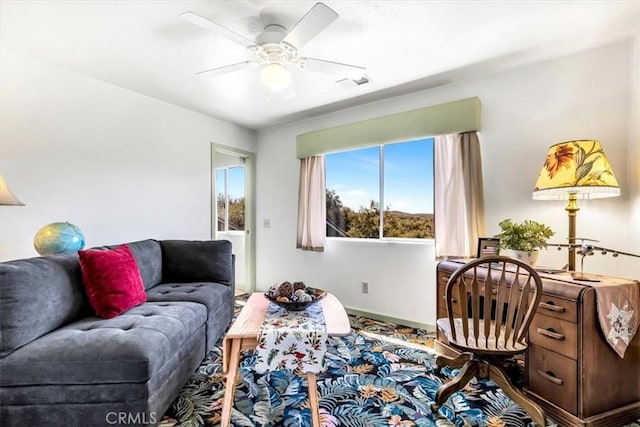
(294,296)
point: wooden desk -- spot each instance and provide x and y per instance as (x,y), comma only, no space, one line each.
(570,370)
(243,334)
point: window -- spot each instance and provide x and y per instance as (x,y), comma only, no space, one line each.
(398,176)
(230,200)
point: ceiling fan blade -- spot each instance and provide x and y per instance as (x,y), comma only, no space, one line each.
(218,29)
(310,25)
(227,69)
(329,67)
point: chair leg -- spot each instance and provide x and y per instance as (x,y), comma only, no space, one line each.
(500,378)
(456,363)
(445,391)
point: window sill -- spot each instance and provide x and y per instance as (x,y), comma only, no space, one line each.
(385,241)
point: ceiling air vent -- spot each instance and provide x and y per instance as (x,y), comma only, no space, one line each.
(350,83)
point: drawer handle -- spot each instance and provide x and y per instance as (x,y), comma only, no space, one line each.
(550,333)
(552,307)
(550,377)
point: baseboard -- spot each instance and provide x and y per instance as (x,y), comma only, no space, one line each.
(389,319)
(378,316)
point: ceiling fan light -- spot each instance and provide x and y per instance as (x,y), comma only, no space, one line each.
(275,77)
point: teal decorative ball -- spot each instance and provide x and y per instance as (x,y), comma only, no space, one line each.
(58,237)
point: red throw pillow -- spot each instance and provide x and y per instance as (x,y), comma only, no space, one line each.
(112,280)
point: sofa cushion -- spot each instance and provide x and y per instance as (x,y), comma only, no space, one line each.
(38,295)
(212,295)
(112,280)
(216,297)
(185,261)
(129,348)
(148,255)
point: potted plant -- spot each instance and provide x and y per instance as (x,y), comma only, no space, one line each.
(523,241)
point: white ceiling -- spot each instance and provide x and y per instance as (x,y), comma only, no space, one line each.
(405,45)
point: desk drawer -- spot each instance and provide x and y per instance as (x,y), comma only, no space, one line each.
(559,308)
(554,377)
(554,334)
(442,303)
(443,278)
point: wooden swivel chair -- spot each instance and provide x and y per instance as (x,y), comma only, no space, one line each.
(495,299)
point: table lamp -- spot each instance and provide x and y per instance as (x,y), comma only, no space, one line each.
(575,170)
(7,198)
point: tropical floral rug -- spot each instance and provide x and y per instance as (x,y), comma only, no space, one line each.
(379,375)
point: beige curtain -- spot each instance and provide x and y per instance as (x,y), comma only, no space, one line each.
(473,188)
(458,194)
(311,205)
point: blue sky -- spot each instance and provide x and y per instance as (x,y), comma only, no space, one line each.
(236,181)
(408,171)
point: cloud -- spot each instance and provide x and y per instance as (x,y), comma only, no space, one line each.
(354,198)
(397,205)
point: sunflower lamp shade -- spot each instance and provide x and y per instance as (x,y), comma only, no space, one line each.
(7,198)
(575,170)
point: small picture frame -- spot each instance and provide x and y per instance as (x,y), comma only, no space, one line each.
(487,246)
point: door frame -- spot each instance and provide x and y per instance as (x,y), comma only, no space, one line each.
(249,207)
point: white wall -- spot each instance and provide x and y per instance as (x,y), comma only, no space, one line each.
(634,154)
(120,165)
(524,111)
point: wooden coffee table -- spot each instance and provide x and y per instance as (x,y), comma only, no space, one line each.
(243,334)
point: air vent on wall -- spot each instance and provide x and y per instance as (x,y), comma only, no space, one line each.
(349,83)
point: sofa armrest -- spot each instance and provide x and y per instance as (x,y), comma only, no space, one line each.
(233,274)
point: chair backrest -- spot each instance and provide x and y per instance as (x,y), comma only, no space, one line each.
(498,297)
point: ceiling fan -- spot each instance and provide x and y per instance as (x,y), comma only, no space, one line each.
(276,48)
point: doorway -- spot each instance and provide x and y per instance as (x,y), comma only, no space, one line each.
(233,208)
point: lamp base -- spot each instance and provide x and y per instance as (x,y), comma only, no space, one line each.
(584,278)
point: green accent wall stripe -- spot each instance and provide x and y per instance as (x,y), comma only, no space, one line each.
(452,117)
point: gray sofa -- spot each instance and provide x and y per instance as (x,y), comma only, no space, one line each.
(62,365)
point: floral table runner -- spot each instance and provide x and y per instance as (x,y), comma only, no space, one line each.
(295,340)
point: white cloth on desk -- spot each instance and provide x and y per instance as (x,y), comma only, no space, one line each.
(618,312)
